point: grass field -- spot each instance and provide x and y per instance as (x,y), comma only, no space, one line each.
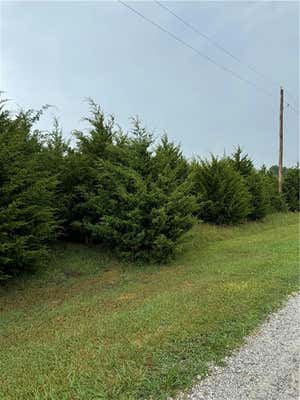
(91,328)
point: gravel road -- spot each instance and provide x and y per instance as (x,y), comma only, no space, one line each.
(265,368)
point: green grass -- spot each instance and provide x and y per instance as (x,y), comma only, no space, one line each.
(90,327)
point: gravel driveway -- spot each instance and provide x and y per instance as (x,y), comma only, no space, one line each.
(265,368)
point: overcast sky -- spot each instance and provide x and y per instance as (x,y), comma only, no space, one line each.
(62,52)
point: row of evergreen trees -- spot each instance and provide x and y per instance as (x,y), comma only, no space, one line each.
(119,190)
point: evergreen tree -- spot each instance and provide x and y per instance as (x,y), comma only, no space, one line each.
(221,191)
(81,173)
(126,194)
(259,201)
(172,203)
(170,161)
(290,187)
(119,190)
(27,220)
(276,201)
(55,151)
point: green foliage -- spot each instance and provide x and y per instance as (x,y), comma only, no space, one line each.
(290,188)
(120,190)
(54,157)
(170,162)
(27,220)
(274,170)
(90,179)
(259,196)
(222,194)
(259,201)
(169,191)
(242,163)
(124,195)
(276,201)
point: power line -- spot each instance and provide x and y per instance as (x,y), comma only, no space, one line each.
(178,39)
(220,47)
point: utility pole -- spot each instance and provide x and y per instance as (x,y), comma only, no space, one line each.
(280,142)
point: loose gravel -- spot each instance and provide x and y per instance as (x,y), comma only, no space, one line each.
(267,367)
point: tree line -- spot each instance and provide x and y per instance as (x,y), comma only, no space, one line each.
(124,191)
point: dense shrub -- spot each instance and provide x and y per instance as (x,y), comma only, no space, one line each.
(27,220)
(290,188)
(54,158)
(119,190)
(259,200)
(123,194)
(169,190)
(221,192)
(81,178)
(276,200)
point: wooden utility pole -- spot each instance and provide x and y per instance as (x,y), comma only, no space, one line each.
(280,142)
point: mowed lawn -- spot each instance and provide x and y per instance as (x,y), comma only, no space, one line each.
(90,327)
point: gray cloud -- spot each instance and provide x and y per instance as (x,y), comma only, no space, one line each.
(62,52)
